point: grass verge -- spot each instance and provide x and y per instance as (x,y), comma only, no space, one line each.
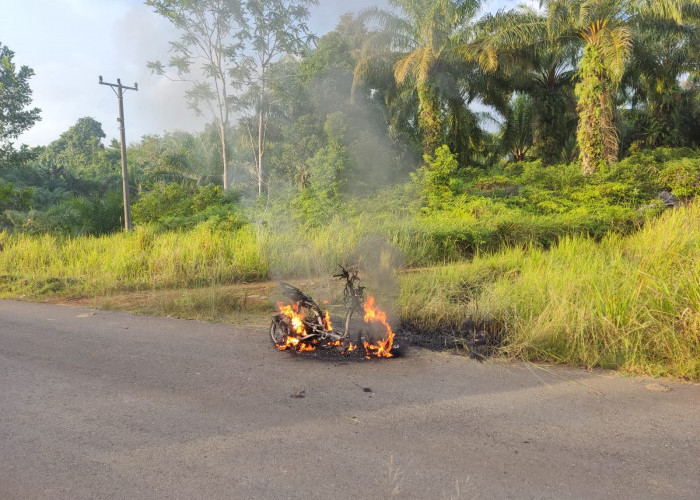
(630,303)
(624,302)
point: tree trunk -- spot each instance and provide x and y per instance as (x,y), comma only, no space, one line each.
(260,148)
(429,118)
(224,156)
(596,135)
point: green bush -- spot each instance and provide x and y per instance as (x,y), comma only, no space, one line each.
(438,179)
(12,199)
(178,206)
(75,215)
(651,170)
(553,177)
(682,177)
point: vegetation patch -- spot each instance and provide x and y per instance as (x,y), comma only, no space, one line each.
(629,303)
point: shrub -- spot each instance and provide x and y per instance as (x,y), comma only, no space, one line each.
(682,177)
(174,206)
(553,177)
(645,169)
(438,179)
(75,215)
(14,200)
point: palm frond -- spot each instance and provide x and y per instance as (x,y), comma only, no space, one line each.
(667,9)
(615,48)
(408,65)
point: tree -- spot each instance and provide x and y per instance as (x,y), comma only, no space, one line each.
(598,25)
(15,118)
(546,73)
(516,134)
(212,36)
(603,31)
(422,43)
(79,147)
(305,95)
(178,156)
(600,69)
(550,81)
(663,51)
(276,28)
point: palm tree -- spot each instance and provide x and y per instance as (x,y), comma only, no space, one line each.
(517,133)
(545,72)
(420,44)
(602,30)
(663,51)
(550,83)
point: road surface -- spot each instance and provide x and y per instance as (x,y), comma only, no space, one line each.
(98,404)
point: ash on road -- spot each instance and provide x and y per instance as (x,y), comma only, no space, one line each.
(97,404)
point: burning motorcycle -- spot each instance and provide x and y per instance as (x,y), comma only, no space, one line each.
(302,326)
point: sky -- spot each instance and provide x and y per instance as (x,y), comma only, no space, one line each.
(69,43)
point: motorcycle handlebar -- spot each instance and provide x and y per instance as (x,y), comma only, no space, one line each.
(344,273)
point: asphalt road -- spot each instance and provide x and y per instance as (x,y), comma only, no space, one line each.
(98,404)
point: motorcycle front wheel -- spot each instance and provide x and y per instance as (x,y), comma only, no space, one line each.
(279,330)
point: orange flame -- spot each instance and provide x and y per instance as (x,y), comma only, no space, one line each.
(295,315)
(296,320)
(373,314)
(351,347)
(327,325)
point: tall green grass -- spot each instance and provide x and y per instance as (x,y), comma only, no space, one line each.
(143,258)
(39,265)
(631,302)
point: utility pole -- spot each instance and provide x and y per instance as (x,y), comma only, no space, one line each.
(125,175)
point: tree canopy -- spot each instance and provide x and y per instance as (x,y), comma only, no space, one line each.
(15,115)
